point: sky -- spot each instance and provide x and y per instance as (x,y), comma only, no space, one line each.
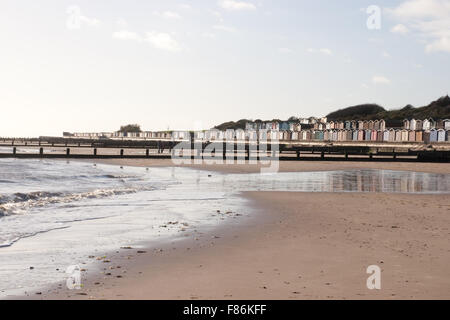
(93,65)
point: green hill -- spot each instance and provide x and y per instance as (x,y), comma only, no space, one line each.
(363,111)
(439,109)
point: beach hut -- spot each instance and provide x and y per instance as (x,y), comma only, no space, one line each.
(426,136)
(370,124)
(398,135)
(321,135)
(354,125)
(404,135)
(412,124)
(391,135)
(304,135)
(406,124)
(289,135)
(355,135)
(412,136)
(376,125)
(382,125)
(360,125)
(440,135)
(263,135)
(428,124)
(374,135)
(433,135)
(348,125)
(419,125)
(333,135)
(361,135)
(365,124)
(380,136)
(386,135)
(240,135)
(368,135)
(448,135)
(349,135)
(446,124)
(419,136)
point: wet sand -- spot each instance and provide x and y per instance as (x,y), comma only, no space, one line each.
(290,166)
(298,246)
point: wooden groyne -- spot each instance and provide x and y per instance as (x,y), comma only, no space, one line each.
(57,148)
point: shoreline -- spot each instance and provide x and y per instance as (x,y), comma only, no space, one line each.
(256,259)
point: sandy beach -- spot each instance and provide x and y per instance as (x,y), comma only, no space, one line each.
(298,246)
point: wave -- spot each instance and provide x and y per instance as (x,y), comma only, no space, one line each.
(19,202)
(9,243)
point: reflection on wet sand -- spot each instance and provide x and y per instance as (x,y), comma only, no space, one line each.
(369,180)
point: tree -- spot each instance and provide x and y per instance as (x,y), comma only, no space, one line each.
(131,128)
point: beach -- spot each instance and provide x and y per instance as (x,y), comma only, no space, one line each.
(297,246)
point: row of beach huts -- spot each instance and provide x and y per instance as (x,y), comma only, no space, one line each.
(410,130)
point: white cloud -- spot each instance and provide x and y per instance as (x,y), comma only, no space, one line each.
(127,35)
(208,35)
(429,20)
(76,19)
(222,27)
(218,15)
(93,22)
(442,44)
(236,5)
(385,54)
(167,15)
(400,29)
(171,15)
(324,51)
(159,40)
(380,80)
(420,9)
(284,50)
(185,6)
(163,41)
(122,23)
